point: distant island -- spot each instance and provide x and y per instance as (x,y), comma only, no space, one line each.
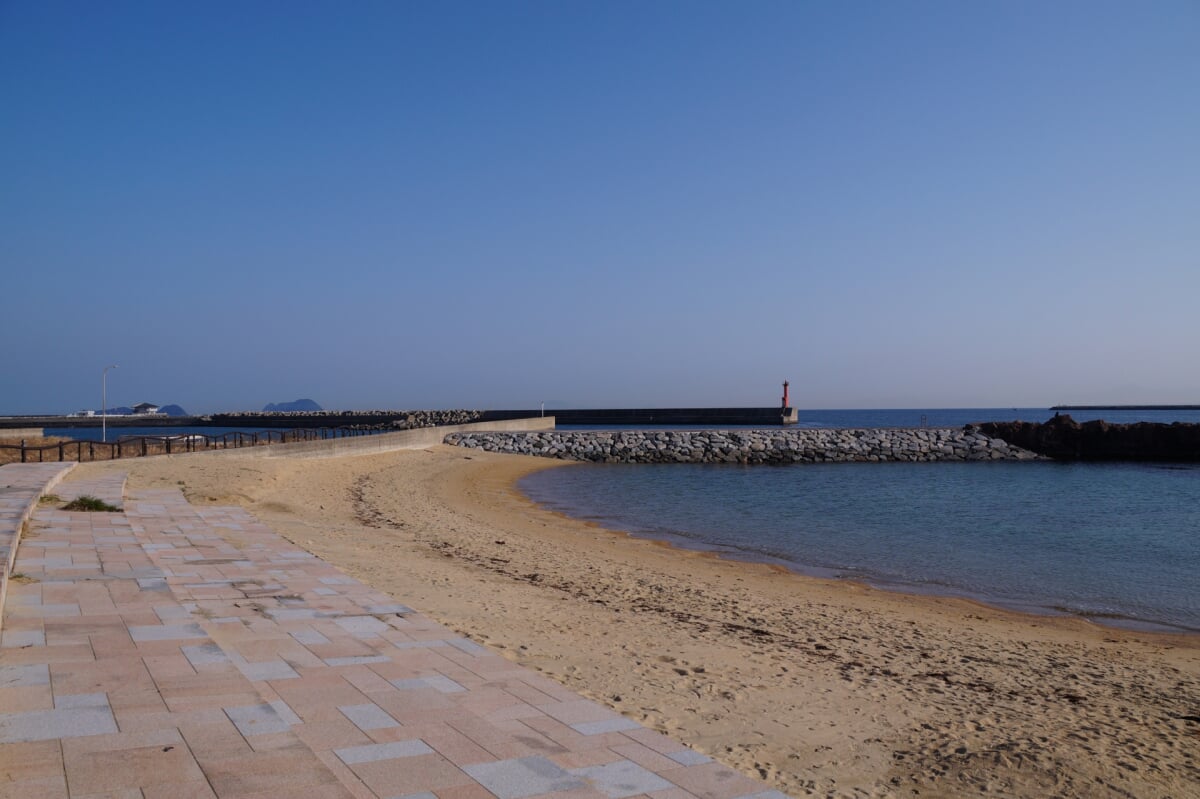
(293,406)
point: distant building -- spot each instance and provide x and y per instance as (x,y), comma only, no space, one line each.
(145,408)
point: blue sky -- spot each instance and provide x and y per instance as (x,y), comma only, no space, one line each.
(485,205)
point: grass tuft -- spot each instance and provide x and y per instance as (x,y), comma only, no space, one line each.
(50,499)
(90,503)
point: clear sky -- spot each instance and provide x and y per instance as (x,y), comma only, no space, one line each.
(496,204)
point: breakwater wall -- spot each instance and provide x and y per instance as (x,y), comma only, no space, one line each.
(1063,438)
(749,446)
(656,416)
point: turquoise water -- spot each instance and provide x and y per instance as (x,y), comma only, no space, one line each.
(1119,543)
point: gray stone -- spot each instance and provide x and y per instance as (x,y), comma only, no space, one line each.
(527,776)
(622,779)
(370,753)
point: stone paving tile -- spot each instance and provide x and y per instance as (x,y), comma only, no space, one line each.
(87,714)
(608,725)
(519,778)
(622,779)
(13,639)
(437,682)
(257,719)
(368,717)
(266,672)
(372,752)
(689,757)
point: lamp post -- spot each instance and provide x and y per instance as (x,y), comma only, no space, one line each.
(104,402)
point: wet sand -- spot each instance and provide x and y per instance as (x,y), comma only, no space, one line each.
(822,687)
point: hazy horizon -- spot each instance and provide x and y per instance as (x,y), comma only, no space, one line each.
(676,204)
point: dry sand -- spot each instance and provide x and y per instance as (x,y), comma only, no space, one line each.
(821,687)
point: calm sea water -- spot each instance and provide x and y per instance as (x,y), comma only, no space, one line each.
(1116,542)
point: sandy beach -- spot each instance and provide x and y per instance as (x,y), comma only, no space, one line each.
(824,688)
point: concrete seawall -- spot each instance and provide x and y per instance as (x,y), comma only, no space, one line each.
(418,438)
(17,433)
(749,446)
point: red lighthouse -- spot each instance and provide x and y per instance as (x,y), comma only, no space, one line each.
(789,415)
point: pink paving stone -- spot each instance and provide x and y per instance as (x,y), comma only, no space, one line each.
(365,679)
(594,757)
(331,734)
(408,775)
(578,711)
(192,789)
(454,746)
(67,653)
(279,773)
(24,698)
(654,740)
(345,776)
(471,791)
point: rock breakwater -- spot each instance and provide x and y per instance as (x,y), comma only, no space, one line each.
(1063,438)
(749,446)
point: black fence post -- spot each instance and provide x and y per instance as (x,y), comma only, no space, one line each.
(22,450)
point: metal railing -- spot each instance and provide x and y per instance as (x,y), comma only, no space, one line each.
(142,446)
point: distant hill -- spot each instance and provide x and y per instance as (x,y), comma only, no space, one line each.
(296,405)
(172,410)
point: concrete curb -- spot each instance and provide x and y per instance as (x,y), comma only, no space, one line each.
(35,494)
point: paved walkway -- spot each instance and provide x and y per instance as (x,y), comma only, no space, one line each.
(180,651)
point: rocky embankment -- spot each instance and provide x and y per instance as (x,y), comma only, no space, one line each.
(749,446)
(1063,438)
(434,419)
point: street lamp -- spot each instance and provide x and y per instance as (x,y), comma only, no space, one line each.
(104,402)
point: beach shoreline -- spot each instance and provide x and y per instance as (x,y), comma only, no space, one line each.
(820,686)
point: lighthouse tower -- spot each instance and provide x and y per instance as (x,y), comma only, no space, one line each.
(788,414)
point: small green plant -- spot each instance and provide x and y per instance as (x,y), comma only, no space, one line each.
(50,499)
(90,503)
(20,579)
